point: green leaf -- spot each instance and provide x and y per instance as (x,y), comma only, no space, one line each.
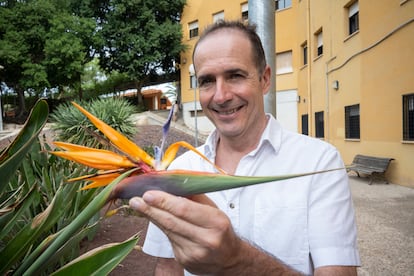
(17,247)
(101,260)
(12,156)
(186,183)
(90,210)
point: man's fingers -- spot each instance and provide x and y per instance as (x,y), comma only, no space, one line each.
(203,199)
(198,213)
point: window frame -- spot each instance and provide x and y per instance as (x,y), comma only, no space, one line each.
(319,124)
(319,42)
(408,117)
(305,124)
(193,29)
(352,122)
(218,16)
(305,53)
(244,7)
(286,4)
(353,17)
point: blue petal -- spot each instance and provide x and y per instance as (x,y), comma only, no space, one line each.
(165,129)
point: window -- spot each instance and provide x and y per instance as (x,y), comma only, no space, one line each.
(305,53)
(408,117)
(352,122)
(284,62)
(319,43)
(218,16)
(193,29)
(245,11)
(305,120)
(353,15)
(282,4)
(319,125)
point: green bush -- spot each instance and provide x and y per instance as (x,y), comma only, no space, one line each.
(73,127)
(42,217)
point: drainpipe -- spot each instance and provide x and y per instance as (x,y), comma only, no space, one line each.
(262,13)
(327,98)
(310,58)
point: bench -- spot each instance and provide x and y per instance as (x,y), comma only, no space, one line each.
(375,167)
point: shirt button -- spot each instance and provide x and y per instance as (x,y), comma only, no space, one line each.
(231,205)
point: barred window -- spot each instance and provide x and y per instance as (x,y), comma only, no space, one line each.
(319,125)
(352,122)
(408,117)
(305,120)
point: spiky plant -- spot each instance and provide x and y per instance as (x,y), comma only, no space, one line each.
(72,126)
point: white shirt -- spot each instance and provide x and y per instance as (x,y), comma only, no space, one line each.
(306,222)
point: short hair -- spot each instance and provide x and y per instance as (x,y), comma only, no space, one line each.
(248,30)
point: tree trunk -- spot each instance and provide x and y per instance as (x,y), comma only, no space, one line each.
(21,107)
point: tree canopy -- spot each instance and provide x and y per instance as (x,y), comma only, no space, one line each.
(47,43)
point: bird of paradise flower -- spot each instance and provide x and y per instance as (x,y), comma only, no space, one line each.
(148,173)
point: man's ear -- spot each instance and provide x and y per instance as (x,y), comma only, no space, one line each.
(266,79)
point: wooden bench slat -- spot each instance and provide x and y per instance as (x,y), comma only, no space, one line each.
(370,165)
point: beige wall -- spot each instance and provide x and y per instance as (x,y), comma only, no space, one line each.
(374,68)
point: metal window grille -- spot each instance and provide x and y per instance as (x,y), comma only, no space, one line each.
(408,117)
(352,122)
(319,125)
(305,119)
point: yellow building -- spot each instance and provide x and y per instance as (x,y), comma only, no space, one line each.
(344,73)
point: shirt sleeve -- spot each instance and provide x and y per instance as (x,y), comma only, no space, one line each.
(332,228)
(156,243)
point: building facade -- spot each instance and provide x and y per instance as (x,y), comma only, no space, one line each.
(344,73)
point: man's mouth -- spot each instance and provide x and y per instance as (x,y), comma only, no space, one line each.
(228,111)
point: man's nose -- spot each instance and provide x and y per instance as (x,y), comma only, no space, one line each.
(222,92)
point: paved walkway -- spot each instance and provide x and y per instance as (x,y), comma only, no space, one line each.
(385,221)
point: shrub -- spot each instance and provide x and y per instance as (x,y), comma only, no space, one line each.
(71,126)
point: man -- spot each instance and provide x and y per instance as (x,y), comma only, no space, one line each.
(303,225)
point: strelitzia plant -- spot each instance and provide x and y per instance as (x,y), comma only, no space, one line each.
(147,172)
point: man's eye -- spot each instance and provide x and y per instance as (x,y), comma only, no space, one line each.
(204,82)
(235,76)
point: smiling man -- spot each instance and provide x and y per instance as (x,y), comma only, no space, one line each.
(298,226)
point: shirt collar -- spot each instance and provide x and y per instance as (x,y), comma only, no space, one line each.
(272,136)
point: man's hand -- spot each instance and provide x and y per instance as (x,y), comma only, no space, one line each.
(201,235)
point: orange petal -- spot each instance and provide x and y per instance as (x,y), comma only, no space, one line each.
(98,159)
(118,140)
(100,180)
(73,147)
(172,150)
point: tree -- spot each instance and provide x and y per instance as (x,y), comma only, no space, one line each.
(141,38)
(42,45)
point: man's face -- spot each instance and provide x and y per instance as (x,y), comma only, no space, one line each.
(231,89)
